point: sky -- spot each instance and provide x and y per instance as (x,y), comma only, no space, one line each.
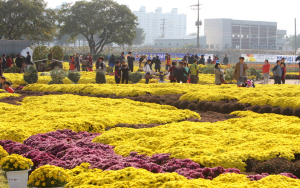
(282,12)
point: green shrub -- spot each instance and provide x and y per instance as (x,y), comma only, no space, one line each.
(57,75)
(297,112)
(183,104)
(57,53)
(209,69)
(191,106)
(109,69)
(40,52)
(135,77)
(13,69)
(277,110)
(100,77)
(287,111)
(255,108)
(266,109)
(229,74)
(30,75)
(200,105)
(74,76)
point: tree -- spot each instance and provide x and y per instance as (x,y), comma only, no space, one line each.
(291,41)
(140,36)
(100,21)
(27,19)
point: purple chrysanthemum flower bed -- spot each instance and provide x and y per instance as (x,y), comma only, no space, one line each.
(68,149)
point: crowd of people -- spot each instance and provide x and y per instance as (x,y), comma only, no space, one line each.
(7,62)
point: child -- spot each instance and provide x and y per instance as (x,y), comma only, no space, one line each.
(125,72)
(283,69)
(2,82)
(147,68)
(247,83)
(8,88)
(118,72)
(162,77)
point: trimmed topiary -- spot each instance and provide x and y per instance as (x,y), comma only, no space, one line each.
(207,106)
(40,52)
(57,53)
(135,77)
(13,69)
(57,75)
(277,110)
(216,106)
(297,112)
(74,76)
(143,99)
(30,75)
(100,77)
(153,100)
(225,108)
(238,107)
(169,102)
(255,108)
(191,106)
(266,109)
(176,104)
(287,111)
(183,104)
(200,105)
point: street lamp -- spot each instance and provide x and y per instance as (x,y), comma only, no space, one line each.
(198,22)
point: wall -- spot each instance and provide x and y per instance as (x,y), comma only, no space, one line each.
(13,46)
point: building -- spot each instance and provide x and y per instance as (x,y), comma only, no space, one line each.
(179,42)
(243,34)
(158,25)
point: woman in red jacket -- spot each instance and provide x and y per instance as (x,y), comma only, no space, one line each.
(8,62)
(283,69)
(266,71)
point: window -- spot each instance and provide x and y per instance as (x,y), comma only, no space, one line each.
(280,48)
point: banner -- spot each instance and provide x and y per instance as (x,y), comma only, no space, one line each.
(174,57)
(271,58)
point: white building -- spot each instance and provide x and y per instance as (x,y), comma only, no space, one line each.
(154,23)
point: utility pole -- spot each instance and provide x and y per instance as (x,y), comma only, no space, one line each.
(198,23)
(295,37)
(163,26)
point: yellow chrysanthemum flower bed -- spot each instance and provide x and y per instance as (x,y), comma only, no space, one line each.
(227,143)
(48,113)
(131,177)
(15,162)
(4,95)
(49,176)
(3,152)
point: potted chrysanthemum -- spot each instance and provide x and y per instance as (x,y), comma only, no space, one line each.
(3,153)
(16,168)
(49,176)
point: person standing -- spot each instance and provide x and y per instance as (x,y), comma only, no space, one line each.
(283,69)
(122,57)
(172,70)
(194,72)
(202,60)
(168,61)
(1,71)
(180,71)
(147,68)
(283,61)
(218,74)
(187,58)
(90,59)
(157,64)
(191,59)
(130,60)
(4,62)
(112,61)
(209,60)
(81,62)
(19,61)
(185,76)
(225,60)
(240,71)
(277,72)
(9,62)
(77,64)
(266,71)
(125,72)
(118,72)
(28,59)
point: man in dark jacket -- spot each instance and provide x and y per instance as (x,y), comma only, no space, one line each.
(180,71)
(112,61)
(19,61)
(3,62)
(122,57)
(202,60)
(240,71)
(130,60)
(28,59)
(225,60)
(157,64)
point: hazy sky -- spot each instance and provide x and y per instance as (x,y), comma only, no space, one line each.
(282,12)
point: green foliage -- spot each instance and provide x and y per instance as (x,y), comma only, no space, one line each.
(40,52)
(109,69)
(100,22)
(140,37)
(135,77)
(254,72)
(57,75)
(13,69)
(27,19)
(100,77)
(229,74)
(57,52)
(74,76)
(30,75)
(209,69)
